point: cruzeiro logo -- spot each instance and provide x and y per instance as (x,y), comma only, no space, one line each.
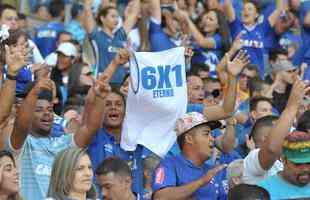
(163,85)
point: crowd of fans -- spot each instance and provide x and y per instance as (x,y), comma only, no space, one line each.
(64,85)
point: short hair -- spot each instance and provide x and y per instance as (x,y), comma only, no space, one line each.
(255,101)
(63,173)
(150,163)
(256,84)
(256,4)
(211,79)
(303,123)
(195,69)
(273,53)
(248,192)
(235,168)
(63,33)
(44,94)
(56,7)
(113,165)
(252,67)
(4,7)
(267,121)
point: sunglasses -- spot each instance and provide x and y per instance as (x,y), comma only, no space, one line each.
(214,93)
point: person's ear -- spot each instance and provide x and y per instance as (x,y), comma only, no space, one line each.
(189,139)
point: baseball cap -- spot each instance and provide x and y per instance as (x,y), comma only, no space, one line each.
(283,65)
(296,147)
(67,48)
(193,119)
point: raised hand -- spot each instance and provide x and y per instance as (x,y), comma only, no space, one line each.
(235,66)
(102,87)
(122,57)
(237,44)
(16,58)
(43,84)
(298,92)
(212,173)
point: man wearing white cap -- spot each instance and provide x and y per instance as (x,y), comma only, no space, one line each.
(186,176)
(66,53)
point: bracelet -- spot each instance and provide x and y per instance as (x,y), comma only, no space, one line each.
(11,77)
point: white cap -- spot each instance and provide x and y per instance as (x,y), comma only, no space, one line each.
(68,49)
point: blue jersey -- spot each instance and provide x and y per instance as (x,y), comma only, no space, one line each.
(303,53)
(159,40)
(104,145)
(177,171)
(46,37)
(211,57)
(106,48)
(253,41)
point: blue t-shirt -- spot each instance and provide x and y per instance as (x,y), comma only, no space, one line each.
(106,48)
(159,40)
(253,40)
(46,37)
(211,57)
(104,145)
(177,171)
(36,161)
(278,188)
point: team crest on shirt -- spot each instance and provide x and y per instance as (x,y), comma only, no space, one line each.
(160,175)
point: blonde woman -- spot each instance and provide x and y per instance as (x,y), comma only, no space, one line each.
(72,176)
(8,177)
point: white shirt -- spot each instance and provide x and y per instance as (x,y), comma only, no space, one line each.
(253,172)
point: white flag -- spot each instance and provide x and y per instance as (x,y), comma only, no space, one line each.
(157,97)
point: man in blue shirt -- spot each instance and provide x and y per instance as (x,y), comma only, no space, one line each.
(115,179)
(187,176)
(106,142)
(31,137)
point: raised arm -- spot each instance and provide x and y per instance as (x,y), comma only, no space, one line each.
(131,17)
(94,105)
(281,7)
(89,20)
(24,117)
(227,140)
(221,66)
(229,11)
(233,70)
(205,42)
(272,147)
(155,10)
(15,59)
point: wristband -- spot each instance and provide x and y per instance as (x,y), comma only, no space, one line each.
(11,77)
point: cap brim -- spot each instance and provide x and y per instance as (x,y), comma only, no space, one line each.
(58,51)
(299,160)
(212,124)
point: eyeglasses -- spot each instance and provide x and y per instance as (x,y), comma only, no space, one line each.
(214,93)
